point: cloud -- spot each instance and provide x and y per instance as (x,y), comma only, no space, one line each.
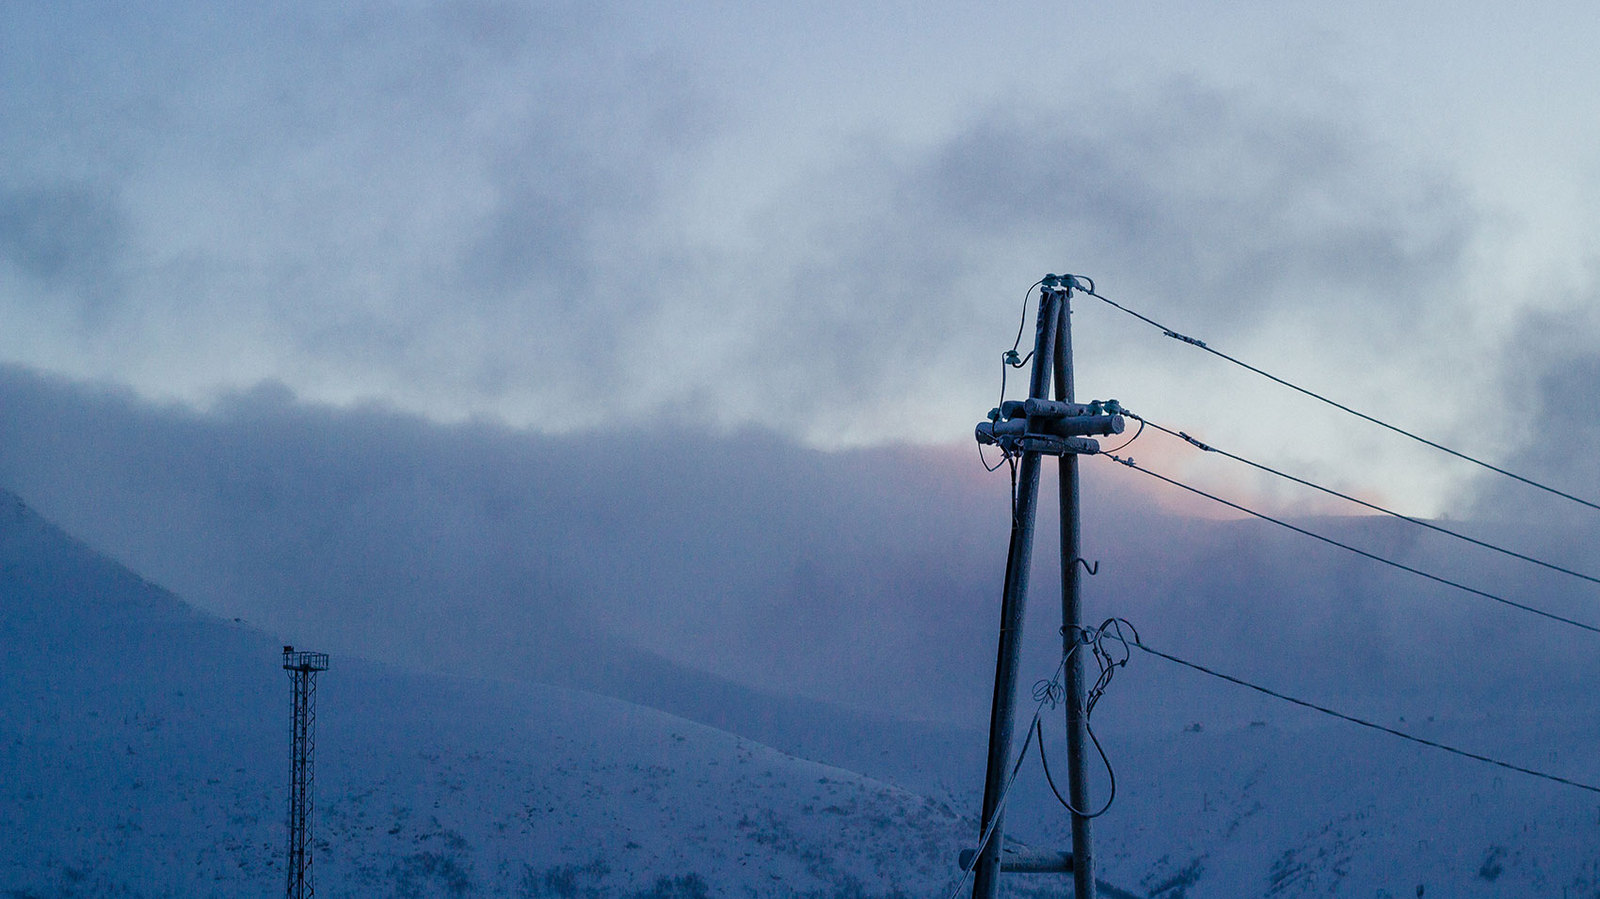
(479,549)
(1550,418)
(67,243)
(871,295)
(510,212)
(43,231)
(868,577)
(427,205)
(1225,199)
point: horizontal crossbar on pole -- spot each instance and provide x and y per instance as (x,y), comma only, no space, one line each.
(1027,861)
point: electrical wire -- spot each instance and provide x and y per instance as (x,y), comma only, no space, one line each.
(1095,638)
(1008,361)
(1011,459)
(1360,552)
(988,832)
(1136,433)
(1205,447)
(1021,324)
(1363,722)
(1044,760)
(1108,662)
(1337,405)
(984,460)
(1049,692)
(1000,804)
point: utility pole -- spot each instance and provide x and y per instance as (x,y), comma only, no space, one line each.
(302,668)
(1030,429)
(1013,601)
(1072,623)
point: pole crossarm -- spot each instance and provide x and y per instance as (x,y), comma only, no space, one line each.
(1050,427)
(1027,861)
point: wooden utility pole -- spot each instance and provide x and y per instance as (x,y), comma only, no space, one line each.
(1019,558)
(1072,623)
(1031,429)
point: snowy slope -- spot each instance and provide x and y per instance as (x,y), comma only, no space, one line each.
(143,750)
(1325,809)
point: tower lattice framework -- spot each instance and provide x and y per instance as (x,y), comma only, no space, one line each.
(302,668)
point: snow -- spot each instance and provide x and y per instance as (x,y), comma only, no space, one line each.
(144,752)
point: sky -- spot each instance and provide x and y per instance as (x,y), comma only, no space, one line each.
(709,296)
(820,221)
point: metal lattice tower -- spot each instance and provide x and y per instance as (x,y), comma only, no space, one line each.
(302,668)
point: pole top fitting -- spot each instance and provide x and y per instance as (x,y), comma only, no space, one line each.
(304,661)
(1054,282)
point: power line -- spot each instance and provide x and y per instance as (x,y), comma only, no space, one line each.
(1360,552)
(1009,360)
(1206,447)
(1337,405)
(1363,722)
(988,832)
(1054,685)
(1096,639)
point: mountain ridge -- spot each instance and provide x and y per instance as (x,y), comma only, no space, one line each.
(144,744)
(143,747)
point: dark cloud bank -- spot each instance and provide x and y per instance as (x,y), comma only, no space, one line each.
(623,560)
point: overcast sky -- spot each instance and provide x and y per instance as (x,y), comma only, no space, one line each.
(819,219)
(412,327)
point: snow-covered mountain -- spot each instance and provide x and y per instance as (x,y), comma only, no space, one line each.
(144,752)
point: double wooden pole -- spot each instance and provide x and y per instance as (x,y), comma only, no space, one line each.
(1052,355)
